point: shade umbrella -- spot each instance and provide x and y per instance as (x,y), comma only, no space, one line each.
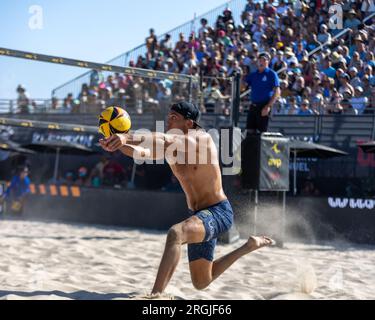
(368,147)
(302,149)
(59,147)
(7,145)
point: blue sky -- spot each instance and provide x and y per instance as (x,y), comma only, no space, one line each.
(84,29)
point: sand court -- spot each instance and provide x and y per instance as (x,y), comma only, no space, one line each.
(61,261)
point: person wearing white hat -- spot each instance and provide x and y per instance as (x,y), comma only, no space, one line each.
(278,61)
(355,81)
(324,36)
(359,101)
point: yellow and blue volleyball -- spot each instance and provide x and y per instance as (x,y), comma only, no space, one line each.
(114,120)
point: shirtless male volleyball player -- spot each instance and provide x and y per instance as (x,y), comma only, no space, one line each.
(211,212)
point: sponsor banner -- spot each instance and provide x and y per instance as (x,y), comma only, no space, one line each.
(341,203)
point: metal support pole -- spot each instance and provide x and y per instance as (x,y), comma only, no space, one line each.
(283,220)
(133,173)
(256,202)
(295,172)
(236,96)
(56,170)
(190,90)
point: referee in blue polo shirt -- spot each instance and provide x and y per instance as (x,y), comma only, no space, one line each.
(265,90)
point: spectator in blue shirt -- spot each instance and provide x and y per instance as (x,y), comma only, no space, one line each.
(328,70)
(305,109)
(352,21)
(19,187)
(265,90)
(250,6)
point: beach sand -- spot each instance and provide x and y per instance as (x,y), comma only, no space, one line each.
(60,261)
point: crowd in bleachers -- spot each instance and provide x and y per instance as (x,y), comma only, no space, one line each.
(337,79)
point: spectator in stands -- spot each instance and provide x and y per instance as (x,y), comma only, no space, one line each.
(356,61)
(228,17)
(334,105)
(137,94)
(328,70)
(317,104)
(313,42)
(250,6)
(258,11)
(324,36)
(68,179)
(166,44)
(360,47)
(299,7)
(277,63)
(96,176)
(316,85)
(214,100)
(164,95)
(366,86)
(327,86)
(82,176)
(23,100)
(68,103)
(54,105)
(284,88)
(298,86)
(345,84)
(181,45)
(300,52)
(290,57)
(369,71)
(359,101)
(352,22)
(370,59)
(305,109)
(113,173)
(151,43)
(203,28)
(282,8)
(269,9)
(96,77)
(355,81)
(224,39)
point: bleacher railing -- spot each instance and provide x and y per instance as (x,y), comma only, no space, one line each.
(220,108)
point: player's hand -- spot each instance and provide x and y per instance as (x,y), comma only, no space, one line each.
(266,111)
(113,143)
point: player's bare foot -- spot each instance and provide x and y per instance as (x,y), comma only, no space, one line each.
(255,243)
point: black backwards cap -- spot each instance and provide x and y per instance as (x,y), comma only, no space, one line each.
(188,111)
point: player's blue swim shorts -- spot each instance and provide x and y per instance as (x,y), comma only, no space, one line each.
(217,219)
